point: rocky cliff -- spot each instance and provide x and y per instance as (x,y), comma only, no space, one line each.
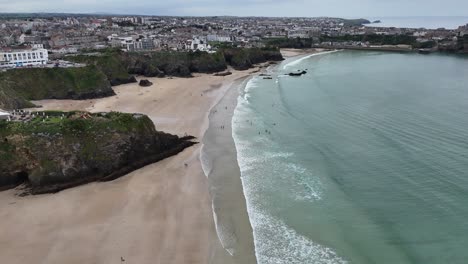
(243,59)
(9,99)
(119,65)
(114,68)
(111,63)
(19,85)
(61,150)
(180,64)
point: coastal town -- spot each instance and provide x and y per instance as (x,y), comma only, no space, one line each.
(39,40)
(63,40)
(173,140)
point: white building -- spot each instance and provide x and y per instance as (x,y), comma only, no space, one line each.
(4,115)
(33,56)
(198,44)
(217,38)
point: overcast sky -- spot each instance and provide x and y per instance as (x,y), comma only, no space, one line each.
(303,8)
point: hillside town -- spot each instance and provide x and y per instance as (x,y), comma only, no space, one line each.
(31,41)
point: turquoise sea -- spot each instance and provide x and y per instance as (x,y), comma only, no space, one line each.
(362,160)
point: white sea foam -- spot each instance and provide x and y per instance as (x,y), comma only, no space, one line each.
(206,162)
(309,187)
(282,244)
(225,236)
(251,84)
(275,241)
(296,62)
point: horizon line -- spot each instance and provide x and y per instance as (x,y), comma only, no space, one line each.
(155,15)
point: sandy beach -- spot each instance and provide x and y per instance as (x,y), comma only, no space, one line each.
(289,53)
(159,214)
(219,156)
(162,213)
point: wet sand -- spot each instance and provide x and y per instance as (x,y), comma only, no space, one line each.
(161,213)
(219,157)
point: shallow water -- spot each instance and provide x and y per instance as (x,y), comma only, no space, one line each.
(362,160)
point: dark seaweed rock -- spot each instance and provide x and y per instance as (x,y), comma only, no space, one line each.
(223,73)
(300,73)
(119,81)
(145,83)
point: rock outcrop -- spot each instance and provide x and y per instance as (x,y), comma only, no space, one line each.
(223,73)
(19,85)
(113,68)
(299,73)
(119,81)
(9,99)
(244,59)
(145,83)
(121,65)
(70,149)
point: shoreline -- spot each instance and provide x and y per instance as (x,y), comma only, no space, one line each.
(220,164)
(161,213)
(219,158)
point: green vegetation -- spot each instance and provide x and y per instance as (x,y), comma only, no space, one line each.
(59,150)
(19,85)
(118,65)
(59,83)
(109,62)
(356,22)
(242,59)
(373,39)
(73,123)
(114,67)
(10,99)
(293,43)
(178,63)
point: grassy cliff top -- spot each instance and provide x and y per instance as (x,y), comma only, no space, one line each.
(75,123)
(110,63)
(41,83)
(10,99)
(58,150)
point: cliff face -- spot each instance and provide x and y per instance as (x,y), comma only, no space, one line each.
(180,64)
(58,153)
(118,65)
(55,83)
(109,63)
(115,68)
(9,99)
(243,59)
